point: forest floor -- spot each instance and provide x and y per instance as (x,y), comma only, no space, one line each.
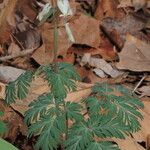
(111,43)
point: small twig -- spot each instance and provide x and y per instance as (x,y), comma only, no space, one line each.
(18,41)
(19,54)
(140,82)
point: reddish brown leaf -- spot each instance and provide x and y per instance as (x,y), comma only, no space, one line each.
(135,55)
(6,13)
(86,30)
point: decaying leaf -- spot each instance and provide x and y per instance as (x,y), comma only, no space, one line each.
(100,64)
(2,90)
(48,44)
(128,144)
(142,135)
(145,90)
(99,72)
(135,55)
(8,74)
(28,39)
(88,76)
(106,51)
(13,49)
(116,30)
(138,4)
(107,8)
(88,32)
(25,7)
(5,14)
(42,52)
(125,3)
(13,121)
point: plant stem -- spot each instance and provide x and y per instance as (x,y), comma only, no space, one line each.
(56,69)
(55,52)
(66,119)
(55,36)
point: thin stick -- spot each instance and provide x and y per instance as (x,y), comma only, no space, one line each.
(19,54)
(18,41)
(140,82)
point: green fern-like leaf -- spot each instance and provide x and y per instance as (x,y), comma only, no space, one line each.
(23,83)
(102,89)
(124,106)
(82,134)
(11,95)
(102,146)
(73,111)
(68,71)
(77,142)
(79,137)
(126,112)
(49,129)
(46,122)
(60,86)
(39,108)
(3,127)
(19,88)
(105,126)
(94,105)
(62,80)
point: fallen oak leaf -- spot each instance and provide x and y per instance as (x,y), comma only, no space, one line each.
(82,35)
(88,32)
(5,15)
(141,136)
(46,50)
(116,30)
(135,55)
(128,144)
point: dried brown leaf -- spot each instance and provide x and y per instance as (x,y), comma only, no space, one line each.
(46,51)
(135,55)
(14,122)
(108,8)
(142,135)
(6,13)
(116,30)
(86,30)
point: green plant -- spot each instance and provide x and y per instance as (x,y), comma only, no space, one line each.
(110,111)
(4,145)
(3,127)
